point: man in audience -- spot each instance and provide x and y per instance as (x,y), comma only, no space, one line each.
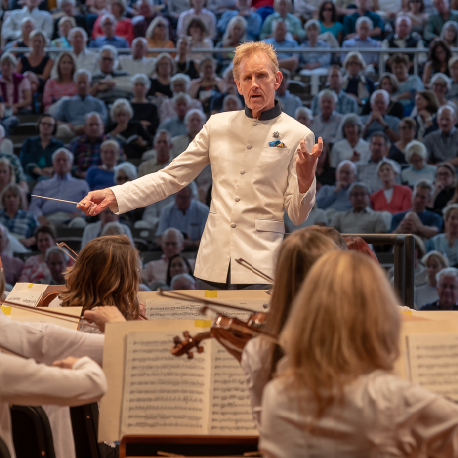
(85,58)
(108,24)
(286,60)
(176,124)
(378,119)
(146,13)
(282,11)
(419,220)
(361,219)
(216,102)
(72,111)
(254,20)
(200,12)
(345,103)
(163,146)
(447,290)
(194,121)
(435,22)
(442,144)
(327,123)
(349,22)
(104,84)
(289,102)
(61,186)
(137,62)
(94,230)
(337,197)
(186,214)
(56,261)
(183,282)
(7,152)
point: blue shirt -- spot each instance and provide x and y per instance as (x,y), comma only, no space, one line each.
(369,58)
(33,155)
(392,122)
(335,29)
(98,178)
(117,42)
(345,104)
(339,201)
(24,223)
(289,103)
(74,109)
(66,188)
(283,44)
(350,22)
(426,217)
(174,126)
(440,243)
(435,306)
(192,222)
(254,21)
(323,58)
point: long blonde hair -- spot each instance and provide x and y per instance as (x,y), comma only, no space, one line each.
(344,323)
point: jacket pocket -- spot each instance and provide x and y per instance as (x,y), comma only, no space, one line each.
(268,225)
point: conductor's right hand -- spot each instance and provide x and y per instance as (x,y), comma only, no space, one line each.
(96,201)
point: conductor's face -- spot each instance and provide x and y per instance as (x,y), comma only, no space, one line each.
(258,83)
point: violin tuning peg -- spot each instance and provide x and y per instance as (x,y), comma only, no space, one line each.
(190,355)
(200,349)
(176,341)
(186,335)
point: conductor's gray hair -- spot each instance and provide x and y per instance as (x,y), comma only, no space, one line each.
(447,272)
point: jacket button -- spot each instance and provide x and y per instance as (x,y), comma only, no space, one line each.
(242,172)
(255,123)
(233,225)
(248,147)
(237,199)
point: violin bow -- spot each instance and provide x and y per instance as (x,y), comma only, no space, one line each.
(63,246)
(256,271)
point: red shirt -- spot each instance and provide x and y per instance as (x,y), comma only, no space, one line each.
(401,200)
(124,29)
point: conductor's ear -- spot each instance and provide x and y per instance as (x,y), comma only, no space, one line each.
(239,87)
(278,79)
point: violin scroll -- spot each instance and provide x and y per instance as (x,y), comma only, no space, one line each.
(181,347)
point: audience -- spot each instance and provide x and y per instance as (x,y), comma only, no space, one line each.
(444,187)
(434,261)
(435,22)
(326,124)
(390,84)
(416,157)
(164,70)
(243,9)
(157,36)
(163,147)
(441,85)
(183,282)
(175,124)
(146,14)
(439,55)
(235,34)
(416,13)
(194,121)
(102,176)
(7,153)
(447,242)
(349,22)
(355,83)
(183,62)
(27,25)
(197,35)
(407,131)
(282,11)
(65,24)
(56,261)
(144,111)
(327,17)
(447,289)
(7,178)
(178,265)
(12,267)
(424,113)
(289,102)
(108,24)
(137,62)
(279,40)
(85,58)
(197,11)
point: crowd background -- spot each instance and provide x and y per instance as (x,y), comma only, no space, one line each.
(113,104)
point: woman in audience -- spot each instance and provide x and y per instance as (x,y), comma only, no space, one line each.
(325,173)
(178,264)
(355,83)
(12,267)
(231,103)
(327,17)
(102,176)
(207,85)
(304,115)
(407,130)
(415,11)
(393,198)
(388,82)
(27,25)
(63,85)
(6,174)
(145,112)
(124,28)
(342,341)
(165,69)
(123,173)
(424,113)
(133,137)
(441,86)
(36,152)
(66,24)
(157,35)
(447,242)
(185,64)
(198,38)
(35,267)
(449,34)
(235,35)
(434,261)
(418,169)
(439,55)
(444,187)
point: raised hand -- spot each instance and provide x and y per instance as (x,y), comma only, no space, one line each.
(306,164)
(96,201)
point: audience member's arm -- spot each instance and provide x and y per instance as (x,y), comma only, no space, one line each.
(428,33)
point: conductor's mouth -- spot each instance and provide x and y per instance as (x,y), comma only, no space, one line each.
(255,97)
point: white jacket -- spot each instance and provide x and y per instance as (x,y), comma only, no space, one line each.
(253,185)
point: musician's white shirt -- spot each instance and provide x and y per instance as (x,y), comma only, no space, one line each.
(253,185)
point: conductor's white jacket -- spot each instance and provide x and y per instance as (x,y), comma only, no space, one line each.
(253,185)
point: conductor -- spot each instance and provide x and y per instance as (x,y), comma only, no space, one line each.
(263,162)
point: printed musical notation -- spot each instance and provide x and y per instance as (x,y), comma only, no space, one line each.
(434,362)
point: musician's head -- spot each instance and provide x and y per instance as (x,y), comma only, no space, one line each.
(346,327)
(106,272)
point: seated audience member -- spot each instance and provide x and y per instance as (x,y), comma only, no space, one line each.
(36,152)
(172,243)
(362,39)
(85,58)
(236,34)
(425,112)
(137,62)
(243,9)
(197,11)
(56,261)
(178,264)
(131,134)
(86,147)
(283,11)
(416,13)
(94,230)
(416,157)
(27,25)
(216,102)
(361,219)
(447,242)
(449,34)
(20,223)
(183,282)
(327,123)
(114,228)
(197,35)
(123,173)
(11,27)
(65,24)
(323,362)
(35,267)
(419,220)
(453,67)
(67,8)
(352,147)
(286,60)
(392,197)
(444,187)
(164,70)
(447,291)
(71,115)
(194,121)
(442,144)
(408,84)
(162,146)
(337,197)
(8,153)
(102,176)
(407,131)
(316,217)
(231,103)
(108,24)
(304,115)
(438,57)
(349,22)
(441,85)
(146,14)
(7,178)
(378,119)
(327,17)
(15,89)
(325,173)
(354,82)
(63,185)
(289,102)
(144,111)
(157,36)
(123,29)
(184,62)
(346,104)
(175,125)
(64,84)
(186,214)
(12,267)
(435,22)
(434,261)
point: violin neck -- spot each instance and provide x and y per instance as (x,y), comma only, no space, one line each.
(202,336)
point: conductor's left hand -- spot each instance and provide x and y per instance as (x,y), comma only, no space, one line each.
(306,164)
(96,201)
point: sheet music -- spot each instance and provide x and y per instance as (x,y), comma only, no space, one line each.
(164,394)
(434,362)
(24,297)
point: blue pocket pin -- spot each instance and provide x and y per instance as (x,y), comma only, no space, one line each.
(277,143)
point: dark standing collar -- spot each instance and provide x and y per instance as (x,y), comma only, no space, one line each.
(266,115)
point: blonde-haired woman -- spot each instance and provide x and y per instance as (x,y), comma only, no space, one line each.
(234,35)
(418,169)
(157,35)
(336,394)
(355,83)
